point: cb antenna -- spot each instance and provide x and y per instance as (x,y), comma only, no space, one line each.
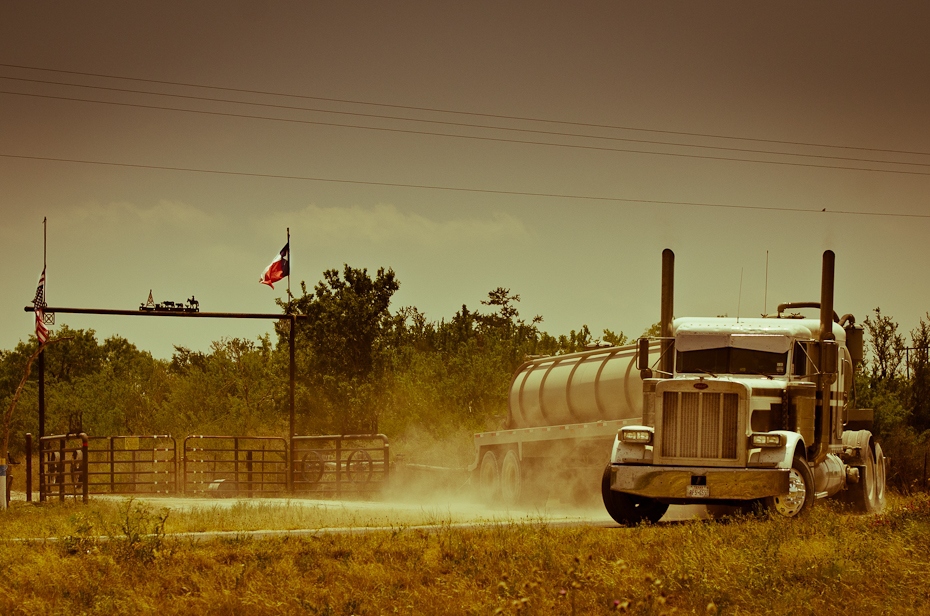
(765,297)
(740,300)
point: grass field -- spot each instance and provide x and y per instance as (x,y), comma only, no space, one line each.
(832,562)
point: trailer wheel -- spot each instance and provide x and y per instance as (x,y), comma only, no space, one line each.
(511,479)
(800,496)
(489,479)
(628,509)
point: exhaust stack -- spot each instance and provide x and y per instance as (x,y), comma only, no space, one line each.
(667,311)
(827,363)
(826,297)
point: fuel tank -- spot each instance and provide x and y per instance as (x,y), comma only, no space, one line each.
(601,384)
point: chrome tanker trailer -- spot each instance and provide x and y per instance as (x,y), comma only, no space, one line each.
(752,412)
(564,412)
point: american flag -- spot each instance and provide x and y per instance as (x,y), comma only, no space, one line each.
(38,305)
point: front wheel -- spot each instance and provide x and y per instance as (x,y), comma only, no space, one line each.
(800,496)
(628,509)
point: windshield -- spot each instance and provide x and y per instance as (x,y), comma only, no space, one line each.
(732,360)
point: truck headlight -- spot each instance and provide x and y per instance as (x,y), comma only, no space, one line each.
(636,435)
(767,440)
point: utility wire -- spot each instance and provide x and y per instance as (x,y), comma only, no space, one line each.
(487,191)
(465,113)
(475,137)
(459,124)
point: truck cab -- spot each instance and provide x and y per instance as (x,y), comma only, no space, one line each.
(753,412)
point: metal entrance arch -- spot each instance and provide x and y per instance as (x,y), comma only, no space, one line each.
(160,311)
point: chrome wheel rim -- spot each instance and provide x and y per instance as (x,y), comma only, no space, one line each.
(791,504)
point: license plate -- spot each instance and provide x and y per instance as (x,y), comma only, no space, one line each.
(698,492)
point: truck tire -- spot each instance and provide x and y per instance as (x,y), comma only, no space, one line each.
(511,483)
(489,479)
(628,509)
(800,497)
(879,479)
(868,496)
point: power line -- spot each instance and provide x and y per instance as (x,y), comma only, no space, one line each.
(475,137)
(448,123)
(465,113)
(487,191)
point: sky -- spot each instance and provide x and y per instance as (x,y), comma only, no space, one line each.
(550,148)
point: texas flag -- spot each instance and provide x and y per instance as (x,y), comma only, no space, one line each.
(279,268)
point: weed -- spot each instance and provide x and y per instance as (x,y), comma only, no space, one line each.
(140,532)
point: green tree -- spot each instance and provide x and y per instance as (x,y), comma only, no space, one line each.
(886,350)
(341,342)
(919,369)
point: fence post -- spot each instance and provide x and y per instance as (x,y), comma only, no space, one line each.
(61,469)
(84,467)
(248,470)
(112,466)
(43,468)
(174,464)
(339,467)
(28,467)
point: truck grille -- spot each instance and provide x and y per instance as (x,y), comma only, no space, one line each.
(700,425)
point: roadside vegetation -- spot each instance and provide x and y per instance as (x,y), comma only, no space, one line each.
(428,385)
(830,562)
(363,367)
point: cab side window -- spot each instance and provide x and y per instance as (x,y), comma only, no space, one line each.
(800,360)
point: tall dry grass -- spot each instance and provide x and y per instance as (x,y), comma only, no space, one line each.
(832,562)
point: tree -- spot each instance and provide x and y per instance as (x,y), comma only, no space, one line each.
(340,341)
(919,369)
(886,350)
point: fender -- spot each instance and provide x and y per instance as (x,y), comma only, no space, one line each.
(782,457)
(621,451)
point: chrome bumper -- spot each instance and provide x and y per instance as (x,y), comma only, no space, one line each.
(676,482)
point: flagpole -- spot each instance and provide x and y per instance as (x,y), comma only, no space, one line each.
(42,364)
(291,343)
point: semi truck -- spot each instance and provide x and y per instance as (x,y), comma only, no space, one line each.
(756,412)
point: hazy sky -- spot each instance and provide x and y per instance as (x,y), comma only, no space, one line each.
(653,110)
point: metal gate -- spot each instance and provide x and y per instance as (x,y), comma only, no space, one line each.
(336,465)
(132,464)
(235,465)
(62,471)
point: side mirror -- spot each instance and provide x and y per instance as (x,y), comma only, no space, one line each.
(643,359)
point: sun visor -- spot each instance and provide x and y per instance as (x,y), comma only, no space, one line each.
(701,341)
(769,343)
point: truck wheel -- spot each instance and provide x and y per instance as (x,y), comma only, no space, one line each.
(628,509)
(489,480)
(800,496)
(511,479)
(868,496)
(879,478)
